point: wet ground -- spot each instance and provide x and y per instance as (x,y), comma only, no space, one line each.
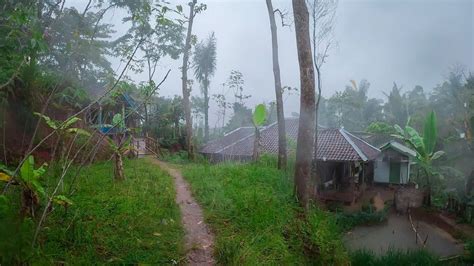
(397,233)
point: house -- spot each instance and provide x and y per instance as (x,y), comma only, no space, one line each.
(239,143)
(393,164)
(101,114)
(346,163)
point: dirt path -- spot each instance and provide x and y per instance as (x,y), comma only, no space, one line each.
(199,238)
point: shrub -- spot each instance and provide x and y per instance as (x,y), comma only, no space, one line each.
(367,216)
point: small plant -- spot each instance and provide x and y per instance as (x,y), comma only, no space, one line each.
(259,117)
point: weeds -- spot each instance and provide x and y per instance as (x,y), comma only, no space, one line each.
(131,222)
(394,257)
(257,220)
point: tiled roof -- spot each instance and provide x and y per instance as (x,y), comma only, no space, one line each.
(217,145)
(333,144)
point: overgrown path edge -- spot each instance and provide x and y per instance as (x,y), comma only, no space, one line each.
(199,240)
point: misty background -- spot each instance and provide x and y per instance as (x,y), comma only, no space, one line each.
(407,42)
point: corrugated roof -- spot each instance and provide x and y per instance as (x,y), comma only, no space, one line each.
(333,144)
(399,147)
(216,145)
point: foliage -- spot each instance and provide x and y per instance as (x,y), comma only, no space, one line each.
(368,216)
(136,222)
(259,115)
(241,117)
(380,128)
(29,176)
(424,146)
(239,200)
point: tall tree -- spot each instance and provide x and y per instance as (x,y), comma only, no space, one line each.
(193,10)
(305,141)
(282,156)
(204,69)
(322,16)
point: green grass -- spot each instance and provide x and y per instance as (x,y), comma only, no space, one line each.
(395,258)
(129,222)
(257,221)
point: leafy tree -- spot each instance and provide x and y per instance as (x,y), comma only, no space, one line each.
(395,108)
(204,68)
(194,9)
(424,146)
(236,83)
(241,117)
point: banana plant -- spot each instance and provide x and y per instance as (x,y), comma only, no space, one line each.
(63,128)
(424,146)
(120,145)
(29,179)
(259,117)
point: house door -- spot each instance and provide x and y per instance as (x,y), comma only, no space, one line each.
(394,172)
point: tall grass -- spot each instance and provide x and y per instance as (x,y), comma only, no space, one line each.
(395,258)
(256,219)
(129,222)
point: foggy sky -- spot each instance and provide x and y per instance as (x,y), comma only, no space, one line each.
(408,42)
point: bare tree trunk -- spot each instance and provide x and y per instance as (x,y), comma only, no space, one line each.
(118,173)
(256,145)
(146,119)
(315,180)
(282,155)
(186,90)
(305,141)
(206,109)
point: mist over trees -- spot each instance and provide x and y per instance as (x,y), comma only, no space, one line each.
(84,94)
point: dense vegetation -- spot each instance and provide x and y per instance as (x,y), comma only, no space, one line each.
(257,219)
(131,222)
(59,89)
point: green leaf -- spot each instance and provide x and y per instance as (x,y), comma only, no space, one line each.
(62,200)
(399,130)
(37,173)
(26,170)
(117,121)
(259,115)
(437,154)
(78,131)
(51,123)
(430,133)
(69,122)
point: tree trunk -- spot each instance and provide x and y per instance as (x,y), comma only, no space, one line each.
(305,141)
(118,171)
(186,90)
(256,145)
(206,109)
(282,155)
(146,120)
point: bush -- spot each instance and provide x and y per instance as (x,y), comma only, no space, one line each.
(367,216)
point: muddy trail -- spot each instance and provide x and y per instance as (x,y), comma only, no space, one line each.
(199,240)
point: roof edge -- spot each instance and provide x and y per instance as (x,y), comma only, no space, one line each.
(348,139)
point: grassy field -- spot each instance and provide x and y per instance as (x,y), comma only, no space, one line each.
(257,221)
(130,222)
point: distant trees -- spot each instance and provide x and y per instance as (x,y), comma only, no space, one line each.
(193,11)
(242,115)
(204,68)
(306,128)
(282,155)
